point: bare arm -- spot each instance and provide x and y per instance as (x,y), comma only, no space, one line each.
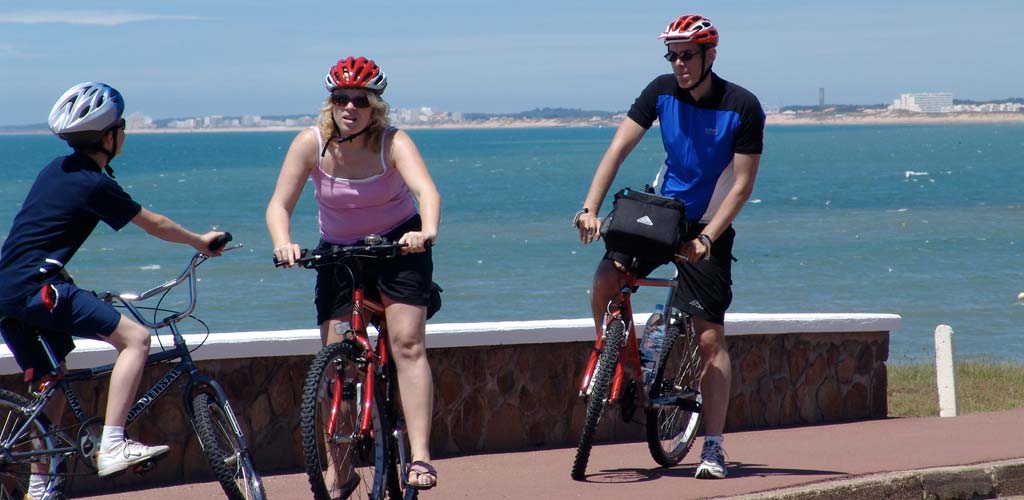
(297,164)
(407,160)
(626,138)
(745,171)
(166,229)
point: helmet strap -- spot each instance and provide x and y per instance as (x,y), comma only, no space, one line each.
(111,153)
(342,140)
(704,73)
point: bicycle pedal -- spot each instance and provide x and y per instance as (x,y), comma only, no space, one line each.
(143,467)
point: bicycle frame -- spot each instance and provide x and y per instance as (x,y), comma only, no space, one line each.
(58,379)
(620,308)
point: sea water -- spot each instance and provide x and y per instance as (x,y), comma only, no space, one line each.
(921,221)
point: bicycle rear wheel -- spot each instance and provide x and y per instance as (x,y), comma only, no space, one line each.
(674,414)
(600,386)
(15,471)
(230,461)
(339,460)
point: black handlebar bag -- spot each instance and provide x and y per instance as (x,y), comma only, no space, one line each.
(644,225)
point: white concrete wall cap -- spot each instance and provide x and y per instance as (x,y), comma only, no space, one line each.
(443,335)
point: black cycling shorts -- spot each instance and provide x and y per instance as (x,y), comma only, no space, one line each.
(705,286)
(405,279)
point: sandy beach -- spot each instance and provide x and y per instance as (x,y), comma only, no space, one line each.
(775,119)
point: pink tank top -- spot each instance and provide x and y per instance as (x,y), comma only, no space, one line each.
(351,209)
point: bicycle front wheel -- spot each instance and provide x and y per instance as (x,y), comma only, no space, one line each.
(674,413)
(597,398)
(228,458)
(398,442)
(16,466)
(341,461)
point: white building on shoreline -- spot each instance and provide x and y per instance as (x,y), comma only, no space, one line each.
(928,102)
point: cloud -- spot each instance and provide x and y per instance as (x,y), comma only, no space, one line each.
(110,18)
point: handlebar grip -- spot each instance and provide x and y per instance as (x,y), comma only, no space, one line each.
(219,243)
(304,253)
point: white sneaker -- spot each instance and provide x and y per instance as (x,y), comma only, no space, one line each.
(712,462)
(125,455)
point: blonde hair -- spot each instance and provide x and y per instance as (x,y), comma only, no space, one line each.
(379,121)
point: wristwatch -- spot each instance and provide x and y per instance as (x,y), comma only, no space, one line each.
(706,241)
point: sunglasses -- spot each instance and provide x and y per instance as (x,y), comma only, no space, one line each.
(684,56)
(342,100)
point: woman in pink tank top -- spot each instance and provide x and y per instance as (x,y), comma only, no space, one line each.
(368,179)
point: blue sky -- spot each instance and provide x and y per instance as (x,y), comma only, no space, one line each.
(233,57)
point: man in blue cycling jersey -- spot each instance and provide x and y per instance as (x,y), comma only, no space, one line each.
(68,199)
(713,133)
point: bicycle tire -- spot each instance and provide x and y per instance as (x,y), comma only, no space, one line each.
(231,463)
(597,400)
(366,457)
(672,428)
(14,476)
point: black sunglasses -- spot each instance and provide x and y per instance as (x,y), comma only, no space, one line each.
(684,56)
(342,100)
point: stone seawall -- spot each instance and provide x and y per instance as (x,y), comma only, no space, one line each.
(516,392)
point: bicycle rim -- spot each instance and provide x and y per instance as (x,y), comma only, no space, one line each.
(597,399)
(342,460)
(229,460)
(15,473)
(671,428)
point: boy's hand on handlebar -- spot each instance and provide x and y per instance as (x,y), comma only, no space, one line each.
(210,244)
(287,254)
(416,242)
(589,226)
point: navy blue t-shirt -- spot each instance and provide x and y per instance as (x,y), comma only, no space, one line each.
(700,138)
(68,199)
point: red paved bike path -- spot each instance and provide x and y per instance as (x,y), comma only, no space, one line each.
(759,460)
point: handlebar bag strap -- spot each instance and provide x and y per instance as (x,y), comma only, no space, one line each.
(645,225)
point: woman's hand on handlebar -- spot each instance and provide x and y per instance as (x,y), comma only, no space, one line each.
(287,254)
(589,226)
(416,242)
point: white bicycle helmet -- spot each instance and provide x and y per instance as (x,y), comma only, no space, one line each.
(85,112)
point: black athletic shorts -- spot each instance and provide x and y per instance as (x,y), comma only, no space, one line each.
(705,286)
(405,279)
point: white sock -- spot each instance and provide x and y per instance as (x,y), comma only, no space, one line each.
(37,485)
(113,435)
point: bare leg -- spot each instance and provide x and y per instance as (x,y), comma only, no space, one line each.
(717,378)
(132,341)
(608,280)
(407,332)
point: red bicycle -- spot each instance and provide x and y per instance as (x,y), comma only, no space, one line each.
(671,399)
(351,417)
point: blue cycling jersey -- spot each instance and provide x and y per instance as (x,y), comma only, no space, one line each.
(700,138)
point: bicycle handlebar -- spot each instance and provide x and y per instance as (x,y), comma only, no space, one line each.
(189,274)
(374,246)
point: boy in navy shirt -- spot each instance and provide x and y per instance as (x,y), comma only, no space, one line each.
(69,198)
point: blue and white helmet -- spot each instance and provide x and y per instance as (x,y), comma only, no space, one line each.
(85,112)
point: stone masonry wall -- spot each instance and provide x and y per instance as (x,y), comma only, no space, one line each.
(509,397)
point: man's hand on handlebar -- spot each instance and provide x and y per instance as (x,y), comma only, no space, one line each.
(589,226)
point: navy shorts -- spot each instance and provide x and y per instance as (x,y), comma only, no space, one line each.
(405,279)
(56,312)
(705,286)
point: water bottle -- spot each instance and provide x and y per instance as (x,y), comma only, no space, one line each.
(650,344)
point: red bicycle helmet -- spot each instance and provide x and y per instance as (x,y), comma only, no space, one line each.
(691,28)
(358,73)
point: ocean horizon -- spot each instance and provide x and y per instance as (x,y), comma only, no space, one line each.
(923,221)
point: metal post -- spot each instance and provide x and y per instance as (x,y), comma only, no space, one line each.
(945,376)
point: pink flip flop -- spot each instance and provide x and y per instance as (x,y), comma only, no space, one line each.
(422,468)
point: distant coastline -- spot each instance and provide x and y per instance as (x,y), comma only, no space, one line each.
(775,119)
